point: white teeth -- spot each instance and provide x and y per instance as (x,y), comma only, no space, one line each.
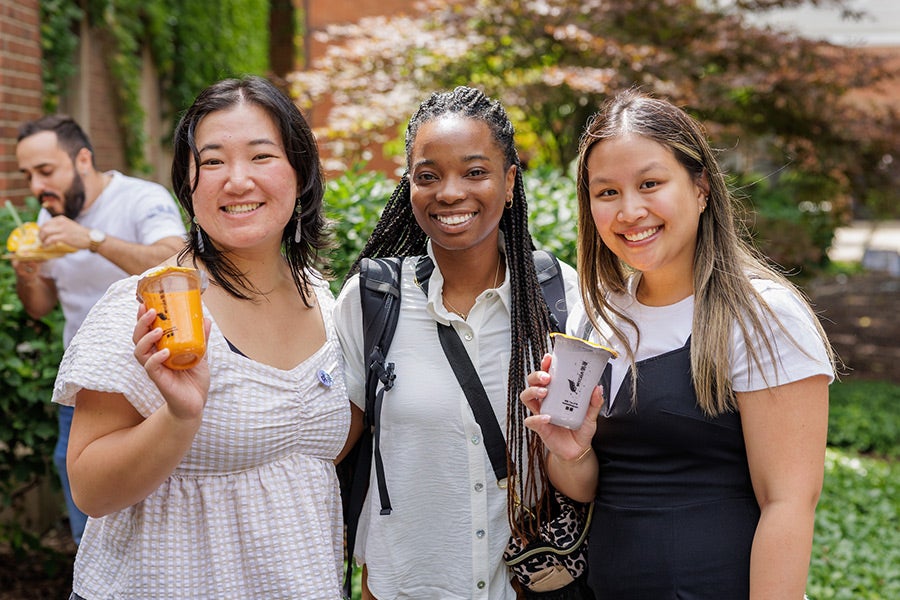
(636,237)
(454,219)
(241,208)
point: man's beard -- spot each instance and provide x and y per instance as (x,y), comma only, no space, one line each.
(73,198)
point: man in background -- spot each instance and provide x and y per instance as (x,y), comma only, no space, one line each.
(119,225)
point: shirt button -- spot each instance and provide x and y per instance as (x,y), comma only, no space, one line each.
(480,585)
(479,534)
(468,336)
(489,295)
(475,439)
(479,487)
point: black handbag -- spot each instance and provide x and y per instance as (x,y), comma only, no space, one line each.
(554,566)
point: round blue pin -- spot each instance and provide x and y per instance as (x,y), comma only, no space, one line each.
(325,377)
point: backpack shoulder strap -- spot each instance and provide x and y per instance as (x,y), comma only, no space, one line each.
(380,299)
(379,289)
(549,276)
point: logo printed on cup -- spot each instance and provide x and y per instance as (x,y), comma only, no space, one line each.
(174,293)
(575,369)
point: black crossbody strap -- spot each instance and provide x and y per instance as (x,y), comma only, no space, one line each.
(469,381)
(494,442)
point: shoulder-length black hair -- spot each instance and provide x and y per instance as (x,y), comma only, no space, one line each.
(303,155)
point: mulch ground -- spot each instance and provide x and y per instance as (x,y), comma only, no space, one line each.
(40,576)
(860,313)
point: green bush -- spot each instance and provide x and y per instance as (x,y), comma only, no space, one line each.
(789,222)
(856,550)
(30,351)
(552,211)
(353,203)
(864,416)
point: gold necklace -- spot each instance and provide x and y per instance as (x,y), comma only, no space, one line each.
(455,310)
(465,315)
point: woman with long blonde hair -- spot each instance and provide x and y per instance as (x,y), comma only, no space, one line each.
(704,456)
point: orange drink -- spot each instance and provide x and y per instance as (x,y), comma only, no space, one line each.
(174,293)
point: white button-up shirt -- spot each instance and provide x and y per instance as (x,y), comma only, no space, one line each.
(446,534)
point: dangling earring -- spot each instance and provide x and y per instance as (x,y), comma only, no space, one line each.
(297,233)
(509,202)
(200,246)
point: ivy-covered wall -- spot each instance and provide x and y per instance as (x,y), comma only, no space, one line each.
(192,43)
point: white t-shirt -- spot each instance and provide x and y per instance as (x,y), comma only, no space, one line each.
(131,209)
(667,328)
(448,529)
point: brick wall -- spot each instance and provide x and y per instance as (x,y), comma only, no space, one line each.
(20,86)
(321,14)
(327,12)
(859,314)
(89,99)
(99,115)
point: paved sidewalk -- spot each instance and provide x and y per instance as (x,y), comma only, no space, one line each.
(879,238)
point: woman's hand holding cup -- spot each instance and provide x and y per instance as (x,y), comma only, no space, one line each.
(185,390)
(566,444)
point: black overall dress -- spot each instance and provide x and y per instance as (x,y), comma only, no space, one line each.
(675,513)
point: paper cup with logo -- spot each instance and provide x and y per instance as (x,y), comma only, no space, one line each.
(174,293)
(575,370)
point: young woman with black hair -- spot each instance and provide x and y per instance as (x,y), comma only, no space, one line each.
(462,204)
(218,481)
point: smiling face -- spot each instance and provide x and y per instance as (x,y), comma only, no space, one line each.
(247,189)
(458,183)
(646,206)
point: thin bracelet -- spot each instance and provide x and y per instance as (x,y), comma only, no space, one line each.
(583,454)
(573,461)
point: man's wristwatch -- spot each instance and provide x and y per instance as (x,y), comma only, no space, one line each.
(97,238)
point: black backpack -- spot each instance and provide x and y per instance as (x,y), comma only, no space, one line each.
(379,287)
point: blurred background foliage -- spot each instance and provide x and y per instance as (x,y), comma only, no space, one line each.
(30,351)
(781,105)
(191,43)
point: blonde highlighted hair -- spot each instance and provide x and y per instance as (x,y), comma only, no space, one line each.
(724,262)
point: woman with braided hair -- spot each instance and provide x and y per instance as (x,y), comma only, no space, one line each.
(462,204)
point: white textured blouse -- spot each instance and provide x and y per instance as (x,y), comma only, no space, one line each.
(253,510)
(445,536)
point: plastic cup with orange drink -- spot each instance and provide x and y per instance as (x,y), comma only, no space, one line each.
(174,293)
